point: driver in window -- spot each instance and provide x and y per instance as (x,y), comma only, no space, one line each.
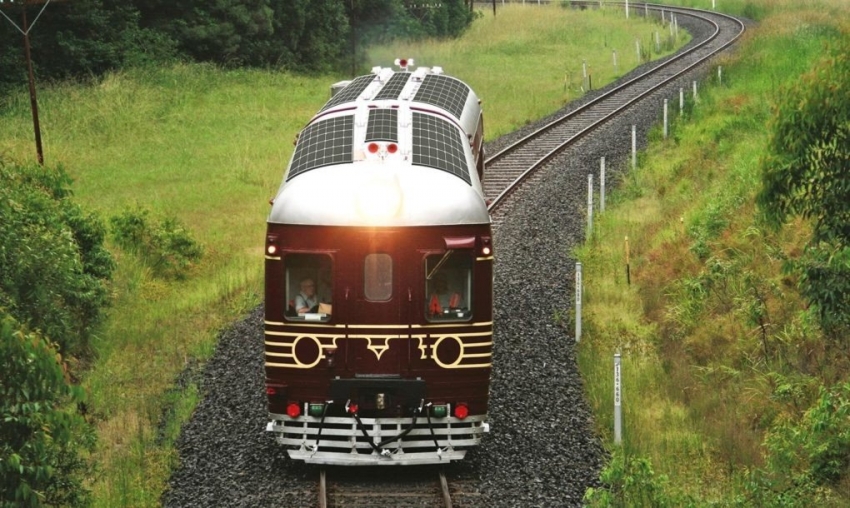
(441,298)
(307,300)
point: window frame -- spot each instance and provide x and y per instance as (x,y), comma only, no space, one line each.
(466,270)
(323,274)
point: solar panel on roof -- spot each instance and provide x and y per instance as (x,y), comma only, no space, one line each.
(444,92)
(350,92)
(323,143)
(393,87)
(383,125)
(437,143)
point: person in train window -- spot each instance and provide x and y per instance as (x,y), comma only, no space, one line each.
(307,300)
(441,298)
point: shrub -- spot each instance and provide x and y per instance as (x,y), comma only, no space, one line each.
(40,463)
(805,174)
(53,266)
(805,456)
(164,245)
(631,481)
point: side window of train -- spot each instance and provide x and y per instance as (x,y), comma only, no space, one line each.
(378,277)
(309,287)
(448,286)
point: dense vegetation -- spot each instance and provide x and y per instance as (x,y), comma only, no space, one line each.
(734,328)
(54,272)
(89,37)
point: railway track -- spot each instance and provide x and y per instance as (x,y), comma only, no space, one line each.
(508,169)
(382,486)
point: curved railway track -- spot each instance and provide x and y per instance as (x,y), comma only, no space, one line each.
(510,167)
(506,172)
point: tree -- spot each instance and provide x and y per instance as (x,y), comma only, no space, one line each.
(40,438)
(79,38)
(807,173)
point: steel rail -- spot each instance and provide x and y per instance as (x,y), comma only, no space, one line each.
(611,103)
(390,491)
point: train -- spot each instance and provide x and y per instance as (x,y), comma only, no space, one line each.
(378,315)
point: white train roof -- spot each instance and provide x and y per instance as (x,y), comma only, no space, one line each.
(388,149)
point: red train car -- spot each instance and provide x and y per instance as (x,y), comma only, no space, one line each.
(379,276)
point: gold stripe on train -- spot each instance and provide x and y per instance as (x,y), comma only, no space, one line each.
(429,345)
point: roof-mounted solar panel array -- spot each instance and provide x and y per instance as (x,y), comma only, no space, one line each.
(323,143)
(444,92)
(437,144)
(350,92)
(436,139)
(383,125)
(394,86)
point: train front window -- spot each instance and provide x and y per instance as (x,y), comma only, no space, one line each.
(378,277)
(309,287)
(448,283)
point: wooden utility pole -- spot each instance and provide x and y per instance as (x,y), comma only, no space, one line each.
(33,100)
(25,30)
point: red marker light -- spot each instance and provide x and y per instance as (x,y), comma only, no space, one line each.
(373,147)
(392,148)
(461,411)
(270,390)
(293,410)
(402,62)
(352,408)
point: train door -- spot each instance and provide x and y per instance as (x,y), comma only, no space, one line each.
(380,307)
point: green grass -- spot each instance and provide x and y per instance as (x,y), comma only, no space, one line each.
(208,147)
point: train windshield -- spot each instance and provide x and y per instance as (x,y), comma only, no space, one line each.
(378,277)
(309,287)
(448,282)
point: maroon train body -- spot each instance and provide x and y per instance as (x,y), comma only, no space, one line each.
(379,270)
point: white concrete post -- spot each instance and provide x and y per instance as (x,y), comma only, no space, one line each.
(602,184)
(665,118)
(578,301)
(627,9)
(618,410)
(637,48)
(681,101)
(615,60)
(719,75)
(584,85)
(695,92)
(589,204)
(634,146)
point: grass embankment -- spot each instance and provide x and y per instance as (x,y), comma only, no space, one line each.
(208,147)
(718,351)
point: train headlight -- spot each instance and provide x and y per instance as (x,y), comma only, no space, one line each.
(486,246)
(379,199)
